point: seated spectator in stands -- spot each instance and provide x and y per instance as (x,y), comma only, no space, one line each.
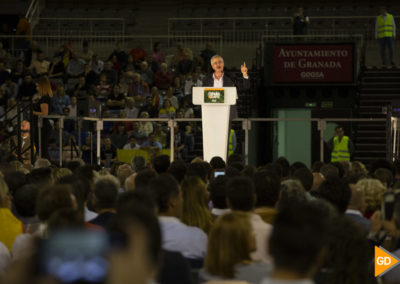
(206,55)
(337,192)
(385,176)
(75,67)
(119,137)
(57,68)
(192,81)
(304,229)
(103,89)
(123,84)
(241,196)
(374,191)
(157,54)
(96,64)
(151,144)
(108,152)
(81,88)
(167,111)
(116,100)
(139,54)
(130,110)
(120,54)
(85,54)
(24,200)
(161,163)
(200,72)
(132,144)
(60,100)
(116,66)
(11,226)
(267,186)
(160,135)
(149,108)
(217,190)
(104,198)
(228,255)
(163,77)
(172,99)
(18,72)
(146,74)
(356,208)
(306,178)
(40,66)
(181,51)
(111,74)
(145,127)
(130,66)
(27,89)
(187,108)
(91,77)
(139,90)
(156,97)
(190,241)
(186,65)
(10,88)
(73,107)
(71,151)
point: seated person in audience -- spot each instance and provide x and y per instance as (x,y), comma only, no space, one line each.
(304,229)
(75,67)
(176,236)
(181,51)
(139,90)
(10,88)
(139,54)
(104,198)
(91,77)
(157,98)
(130,110)
(130,65)
(96,64)
(356,207)
(149,108)
(192,81)
(157,54)
(108,152)
(116,100)
(119,137)
(116,65)
(18,72)
(40,66)
(120,54)
(103,89)
(57,68)
(123,84)
(167,111)
(145,126)
(160,135)
(151,144)
(139,134)
(172,99)
(145,73)
(185,66)
(27,89)
(85,54)
(229,247)
(111,74)
(163,77)
(73,107)
(60,100)
(81,89)
(179,90)
(132,144)
(241,196)
(217,190)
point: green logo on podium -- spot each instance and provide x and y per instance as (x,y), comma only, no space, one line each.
(214,96)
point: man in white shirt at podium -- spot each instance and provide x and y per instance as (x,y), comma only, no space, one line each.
(220,79)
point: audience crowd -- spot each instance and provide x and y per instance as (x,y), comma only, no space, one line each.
(179,222)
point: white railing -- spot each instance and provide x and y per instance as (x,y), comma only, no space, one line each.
(34,11)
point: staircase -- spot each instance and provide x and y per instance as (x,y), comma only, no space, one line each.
(378,89)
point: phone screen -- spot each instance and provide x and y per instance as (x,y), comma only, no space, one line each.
(219,173)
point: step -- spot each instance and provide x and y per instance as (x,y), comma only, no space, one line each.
(378,79)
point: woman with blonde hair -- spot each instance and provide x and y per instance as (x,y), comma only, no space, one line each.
(230,244)
(374,191)
(195,208)
(43,107)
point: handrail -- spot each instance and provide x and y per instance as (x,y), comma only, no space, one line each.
(271,18)
(79,19)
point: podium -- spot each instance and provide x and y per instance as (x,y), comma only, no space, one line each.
(215,106)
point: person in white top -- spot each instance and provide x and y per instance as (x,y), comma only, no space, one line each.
(132,144)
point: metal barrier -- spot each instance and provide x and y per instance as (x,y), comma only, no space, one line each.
(246,126)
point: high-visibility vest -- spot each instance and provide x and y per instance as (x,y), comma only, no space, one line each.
(385,27)
(340,150)
(230,144)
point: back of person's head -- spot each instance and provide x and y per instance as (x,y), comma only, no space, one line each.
(200,169)
(374,191)
(161,163)
(143,179)
(41,163)
(237,165)
(274,168)
(249,171)
(80,188)
(14,180)
(292,192)
(340,168)
(381,164)
(105,194)
(234,158)
(217,188)
(385,176)
(65,219)
(329,171)
(53,198)
(357,199)
(285,166)
(337,192)
(86,171)
(217,163)
(305,176)
(316,166)
(230,243)
(358,168)
(232,172)
(138,163)
(123,172)
(41,177)
(24,200)
(73,165)
(178,169)
(267,187)
(295,166)
(241,194)
(299,236)
(163,188)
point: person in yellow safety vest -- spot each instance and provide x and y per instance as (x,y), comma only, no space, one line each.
(341,146)
(385,32)
(231,142)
